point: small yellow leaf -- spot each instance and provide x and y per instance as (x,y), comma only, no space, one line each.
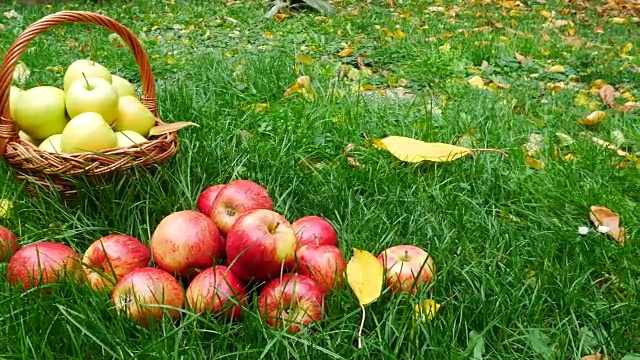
(267,35)
(618,20)
(364,275)
(534,163)
(55,69)
(346,52)
(171,60)
(412,150)
(445,48)
(259,107)
(280,16)
(5,208)
(399,33)
(170,127)
(556,69)
(476,81)
(594,118)
(426,310)
(304,59)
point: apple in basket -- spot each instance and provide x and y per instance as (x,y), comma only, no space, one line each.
(185,242)
(128,137)
(261,245)
(87,132)
(8,243)
(217,290)
(123,87)
(84,68)
(293,302)
(92,94)
(314,230)
(146,294)
(111,257)
(408,268)
(132,115)
(40,112)
(237,198)
(43,263)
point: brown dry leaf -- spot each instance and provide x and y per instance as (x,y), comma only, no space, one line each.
(521,59)
(349,148)
(170,127)
(595,357)
(280,16)
(346,52)
(598,29)
(608,95)
(594,118)
(601,216)
(360,60)
(353,162)
(302,86)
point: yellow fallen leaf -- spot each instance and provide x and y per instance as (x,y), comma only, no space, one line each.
(303,87)
(557,69)
(399,33)
(258,107)
(412,150)
(55,69)
(597,84)
(365,277)
(346,52)
(305,59)
(170,127)
(534,163)
(5,208)
(601,216)
(618,20)
(424,311)
(476,81)
(445,48)
(171,60)
(267,35)
(534,145)
(594,118)
(280,16)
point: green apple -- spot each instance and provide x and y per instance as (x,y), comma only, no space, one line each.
(122,86)
(22,135)
(87,132)
(92,95)
(40,111)
(132,115)
(128,138)
(13,95)
(88,68)
(51,144)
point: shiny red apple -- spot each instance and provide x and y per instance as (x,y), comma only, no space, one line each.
(43,263)
(293,302)
(185,242)
(408,268)
(111,257)
(261,245)
(217,290)
(146,294)
(324,264)
(314,230)
(237,198)
(206,197)
(8,244)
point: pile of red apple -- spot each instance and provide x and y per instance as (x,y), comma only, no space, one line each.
(204,261)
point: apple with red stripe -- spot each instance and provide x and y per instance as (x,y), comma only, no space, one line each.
(408,268)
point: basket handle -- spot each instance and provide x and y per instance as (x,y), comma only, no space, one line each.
(8,130)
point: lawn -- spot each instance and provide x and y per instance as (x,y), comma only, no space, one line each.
(515,279)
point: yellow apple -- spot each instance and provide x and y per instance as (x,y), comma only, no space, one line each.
(22,135)
(89,68)
(92,95)
(132,115)
(122,86)
(13,94)
(51,144)
(128,138)
(40,111)
(87,132)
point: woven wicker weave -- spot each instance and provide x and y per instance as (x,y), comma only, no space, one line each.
(40,169)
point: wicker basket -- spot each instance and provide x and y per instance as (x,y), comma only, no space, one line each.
(52,171)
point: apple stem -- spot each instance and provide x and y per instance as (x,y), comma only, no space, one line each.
(364,313)
(87,80)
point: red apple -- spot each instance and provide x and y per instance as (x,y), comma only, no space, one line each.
(408,268)
(184,242)
(8,244)
(293,301)
(322,263)
(206,197)
(141,294)
(261,245)
(314,230)
(237,198)
(217,290)
(43,263)
(111,257)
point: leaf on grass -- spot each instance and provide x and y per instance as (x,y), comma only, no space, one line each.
(170,127)
(610,146)
(5,208)
(534,163)
(557,69)
(280,16)
(534,145)
(595,357)
(631,357)
(564,139)
(351,161)
(541,344)
(346,52)
(601,216)
(21,73)
(412,150)
(258,107)
(521,59)
(426,310)
(304,59)
(364,275)
(594,118)
(476,344)
(303,87)
(608,95)
(477,82)
(55,69)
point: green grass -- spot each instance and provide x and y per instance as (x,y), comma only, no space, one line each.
(515,278)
